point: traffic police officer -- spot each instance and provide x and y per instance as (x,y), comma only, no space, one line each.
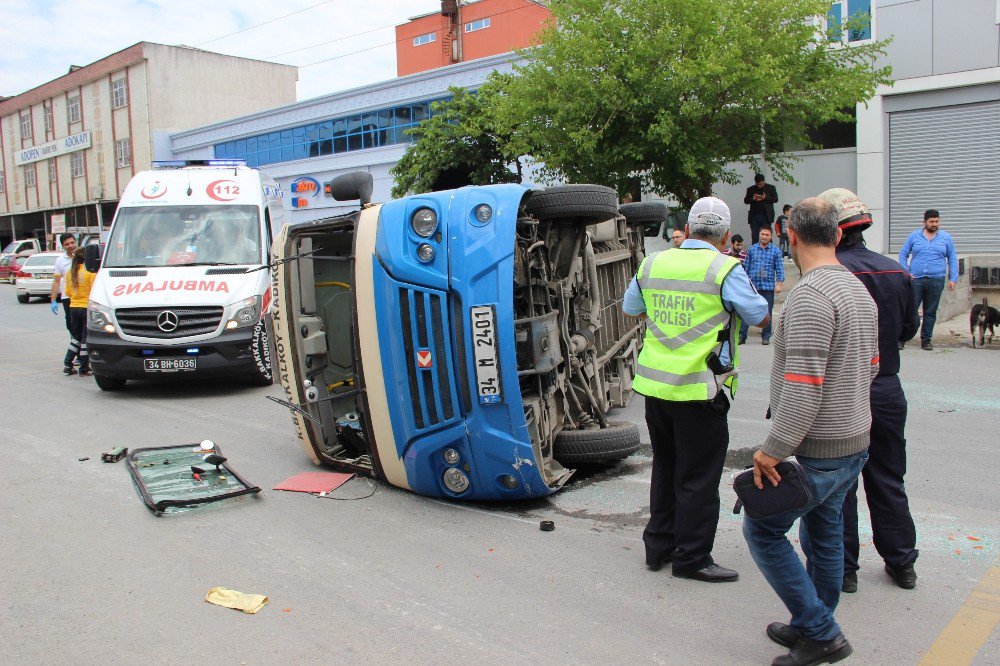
(693,298)
(892,289)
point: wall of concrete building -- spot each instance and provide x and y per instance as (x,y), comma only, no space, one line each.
(189,87)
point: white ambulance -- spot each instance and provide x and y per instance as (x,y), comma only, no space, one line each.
(183,287)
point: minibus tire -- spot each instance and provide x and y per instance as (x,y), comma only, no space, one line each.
(642,212)
(23,298)
(106,383)
(616,442)
(262,374)
(587,204)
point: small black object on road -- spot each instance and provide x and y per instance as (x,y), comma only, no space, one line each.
(546,526)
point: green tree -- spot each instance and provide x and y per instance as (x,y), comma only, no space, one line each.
(671,91)
(458,145)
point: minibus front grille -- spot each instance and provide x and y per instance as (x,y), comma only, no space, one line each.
(422,320)
(190,320)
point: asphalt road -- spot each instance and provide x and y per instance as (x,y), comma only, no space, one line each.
(90,575)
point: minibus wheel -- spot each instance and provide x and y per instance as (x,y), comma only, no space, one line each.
(616,442)
(587,204)
(642,212)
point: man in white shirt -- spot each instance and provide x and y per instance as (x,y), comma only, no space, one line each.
(68,242)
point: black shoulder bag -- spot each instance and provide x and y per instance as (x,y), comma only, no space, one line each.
(793,491)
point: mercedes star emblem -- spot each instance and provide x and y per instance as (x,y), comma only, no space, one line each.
(167,321)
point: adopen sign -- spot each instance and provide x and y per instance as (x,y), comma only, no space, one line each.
(67,144)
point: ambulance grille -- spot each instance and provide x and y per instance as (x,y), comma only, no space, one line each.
(191,320)
(422,321)
(133,273)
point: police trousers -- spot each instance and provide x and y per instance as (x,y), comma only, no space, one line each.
(893,531)
(689,442)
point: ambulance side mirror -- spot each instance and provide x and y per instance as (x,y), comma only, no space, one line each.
(92,256)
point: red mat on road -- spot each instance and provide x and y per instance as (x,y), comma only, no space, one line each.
(314,482)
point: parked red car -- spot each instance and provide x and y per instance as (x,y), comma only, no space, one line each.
(11,264)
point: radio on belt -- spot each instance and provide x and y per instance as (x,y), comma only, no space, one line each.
(114,455)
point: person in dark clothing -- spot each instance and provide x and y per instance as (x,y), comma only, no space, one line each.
(892,289)
(781,231)
(761,198)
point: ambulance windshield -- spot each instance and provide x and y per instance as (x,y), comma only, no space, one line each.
(184,236)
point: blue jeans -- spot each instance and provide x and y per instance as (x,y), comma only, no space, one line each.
(766,333)
(927,292)
(810,592)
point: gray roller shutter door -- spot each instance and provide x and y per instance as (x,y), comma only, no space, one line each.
(946,158)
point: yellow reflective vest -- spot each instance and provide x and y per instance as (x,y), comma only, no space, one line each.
(682,289)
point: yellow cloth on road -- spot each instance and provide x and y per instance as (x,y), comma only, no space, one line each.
(248,603)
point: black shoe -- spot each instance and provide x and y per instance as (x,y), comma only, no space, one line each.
(905,577)
(806,652)
(743,341)
(655,562)
(850,584)
(765,342)
(782,634)
(926,345)
(713,573)
(901,345)
(69,370)
(86,372)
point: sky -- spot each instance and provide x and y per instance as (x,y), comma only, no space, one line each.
(40,39)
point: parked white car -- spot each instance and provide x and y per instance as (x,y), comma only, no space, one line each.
(35,276)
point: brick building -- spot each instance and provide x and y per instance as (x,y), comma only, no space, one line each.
(468,30)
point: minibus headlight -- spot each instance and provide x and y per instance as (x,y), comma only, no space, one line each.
(450,456)
(425,252)
(455,480)
(424,222)
(483,213)
(99,318)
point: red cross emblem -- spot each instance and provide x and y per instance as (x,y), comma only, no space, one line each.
(424,359)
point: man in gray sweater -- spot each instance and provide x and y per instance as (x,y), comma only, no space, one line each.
(825,358)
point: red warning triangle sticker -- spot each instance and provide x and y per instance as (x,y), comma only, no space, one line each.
(424,359)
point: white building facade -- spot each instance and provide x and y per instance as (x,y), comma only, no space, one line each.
(69,147)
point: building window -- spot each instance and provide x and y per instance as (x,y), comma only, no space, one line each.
(76,164)
(29,175)
(73,109)
(118,97)
(25,127)
(424,39)
(52,171)
(48,117)
(3,182)
(481,24)
(850,21)
(382,127)
(123,153)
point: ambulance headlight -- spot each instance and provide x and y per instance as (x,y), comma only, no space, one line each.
(100,318)
(455,480)
(424,222)
(244,313)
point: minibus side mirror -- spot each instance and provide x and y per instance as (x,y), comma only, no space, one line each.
(350,186)
(92,256)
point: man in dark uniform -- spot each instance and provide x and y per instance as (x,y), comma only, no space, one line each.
(892,289)
(761,197)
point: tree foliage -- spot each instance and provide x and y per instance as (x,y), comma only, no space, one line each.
(458,145)
(672,91)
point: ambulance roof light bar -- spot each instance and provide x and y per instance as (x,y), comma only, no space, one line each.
(180,164)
